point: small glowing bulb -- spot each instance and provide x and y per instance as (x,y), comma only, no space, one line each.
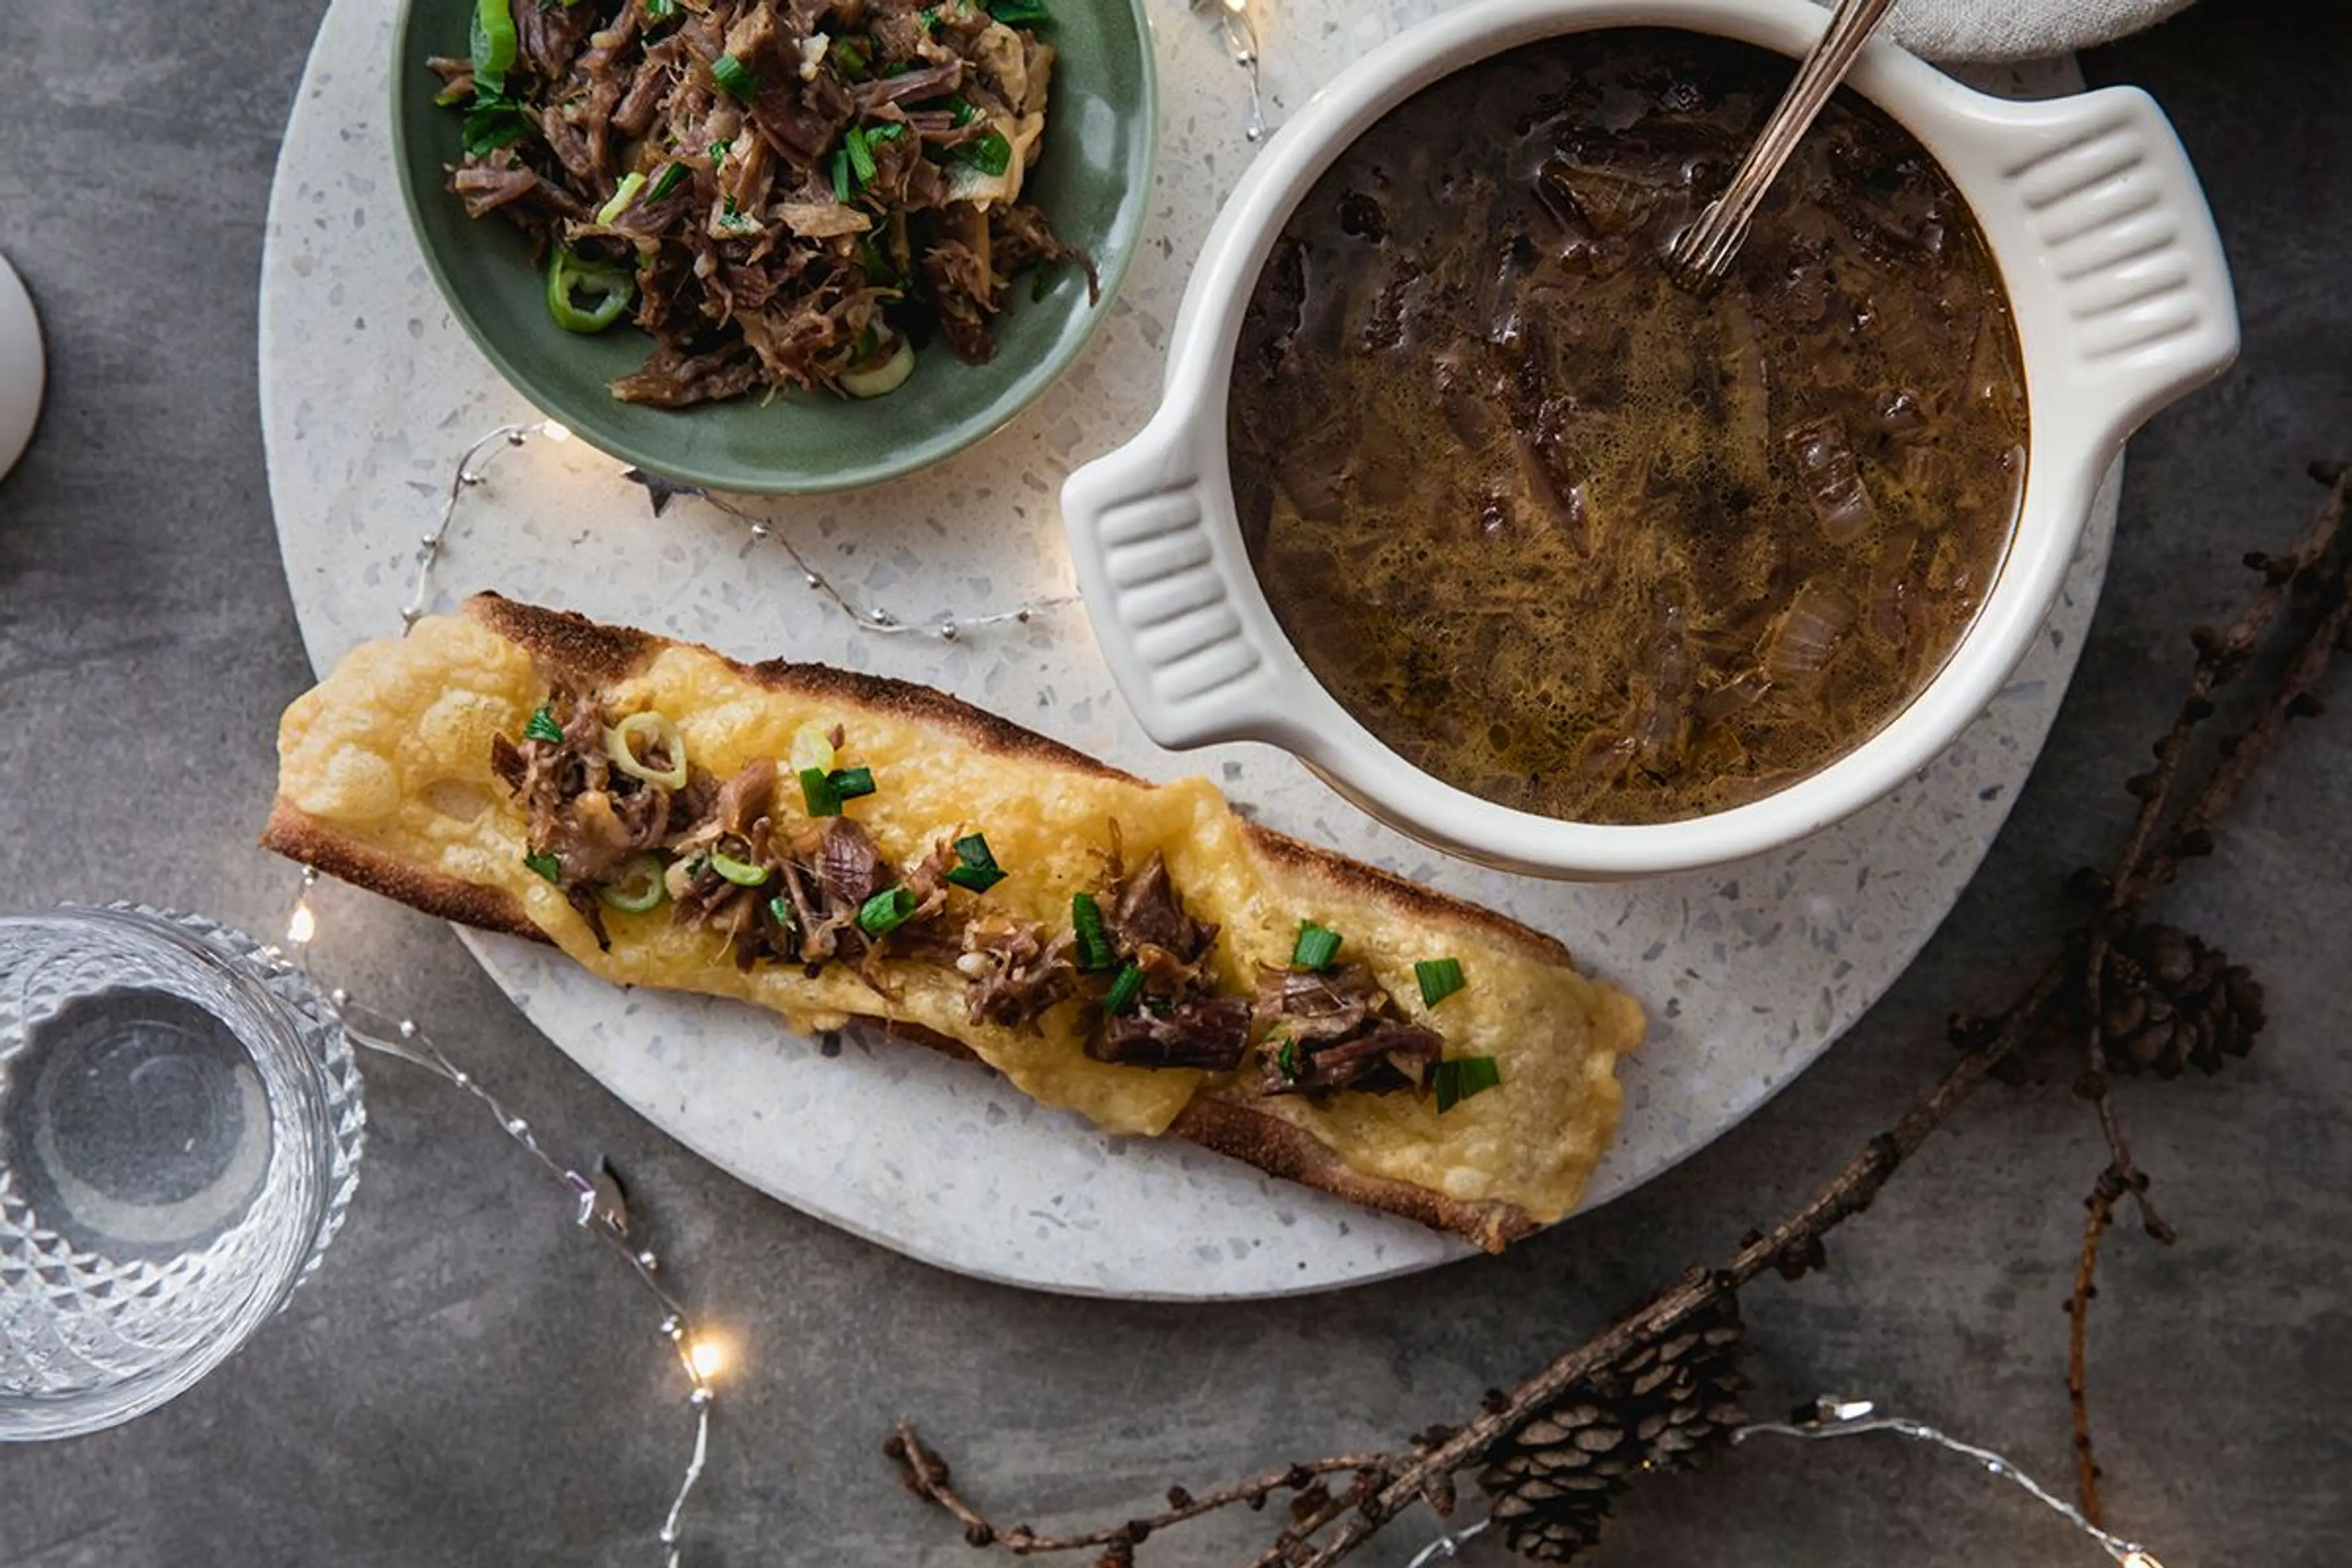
(302,926)
(1851,1409)
(1237,6)
(553,431)
(706,1357)
(2136,1559)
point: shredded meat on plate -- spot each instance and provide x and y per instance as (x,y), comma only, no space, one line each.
(780,192)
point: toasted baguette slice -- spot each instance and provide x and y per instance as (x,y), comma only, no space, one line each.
(385,780)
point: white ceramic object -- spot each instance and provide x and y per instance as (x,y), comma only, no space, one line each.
(2122,301)
(23,371)
(369,392)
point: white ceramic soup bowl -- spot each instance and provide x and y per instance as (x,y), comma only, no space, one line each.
(2122,303)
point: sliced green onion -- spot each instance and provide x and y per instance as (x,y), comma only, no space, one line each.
(928,17)
(848,784)
(1439,977)
(841,186)
(623,194)
(1094,942)
(861,156)
(743,873)
(543,727)
(1018,12)
(660,10)
(668,182)
(1125,987)
(889,131)
(547,866)
(608,289)
(1316,948)
(737,80)
(638,888)
(886,912)
(1048,273)
(1285,1060)
(850,56)
(624,741)
(455,93)
(811,748)
(1463,1076)
(816,789)
(786,916)
(494,45)
(977,869)
(991,155)
(964,111)
(719,153)
(881,380)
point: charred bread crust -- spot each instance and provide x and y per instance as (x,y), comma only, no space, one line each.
(1233,1128)
(563,643)
(298,835)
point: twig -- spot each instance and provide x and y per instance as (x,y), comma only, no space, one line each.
(925,1475)
(2101,1206)
(2142,868)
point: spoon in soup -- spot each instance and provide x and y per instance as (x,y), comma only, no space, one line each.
(1702,253)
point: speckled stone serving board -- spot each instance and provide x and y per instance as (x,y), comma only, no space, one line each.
(370,393)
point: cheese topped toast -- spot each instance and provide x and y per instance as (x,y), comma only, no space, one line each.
(833,845)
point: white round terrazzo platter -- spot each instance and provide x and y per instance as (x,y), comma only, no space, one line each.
(370,393)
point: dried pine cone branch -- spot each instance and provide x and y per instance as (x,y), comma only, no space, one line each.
(2171,1002)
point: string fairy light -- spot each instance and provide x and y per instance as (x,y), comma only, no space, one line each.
(1241,41)
(1831,1416)
(472,472)
(600,1205)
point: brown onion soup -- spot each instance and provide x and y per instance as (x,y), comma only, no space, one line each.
(1564,535)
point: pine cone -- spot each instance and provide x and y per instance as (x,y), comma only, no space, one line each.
(2168,1001)
(1663,1406)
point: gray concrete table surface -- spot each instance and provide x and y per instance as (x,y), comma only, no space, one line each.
(469,1382)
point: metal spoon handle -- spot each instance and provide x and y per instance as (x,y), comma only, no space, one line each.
(1705,250)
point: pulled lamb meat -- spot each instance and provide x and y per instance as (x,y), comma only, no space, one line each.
(592,817)
(1210,1033)
(1336,1029)
(1176,1021)
(817,184)
(1016,971)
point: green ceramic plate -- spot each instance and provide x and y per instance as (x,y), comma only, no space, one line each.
(1093,181)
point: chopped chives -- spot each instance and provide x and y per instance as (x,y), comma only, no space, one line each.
(543,727)
(861,156)
(886,912)
(660,10)
(547,866)
(737,78)
(719,153)
(816,789)
(848,784)
(1458,1080)
(1439,977)
(850,56)
(786,916)
(889,131)
(1285,1060)
(976,867)
(841,187)
(667,183)
(963,110)
(1018,12)
(1125,987)
(1094,942)
(1316,948)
